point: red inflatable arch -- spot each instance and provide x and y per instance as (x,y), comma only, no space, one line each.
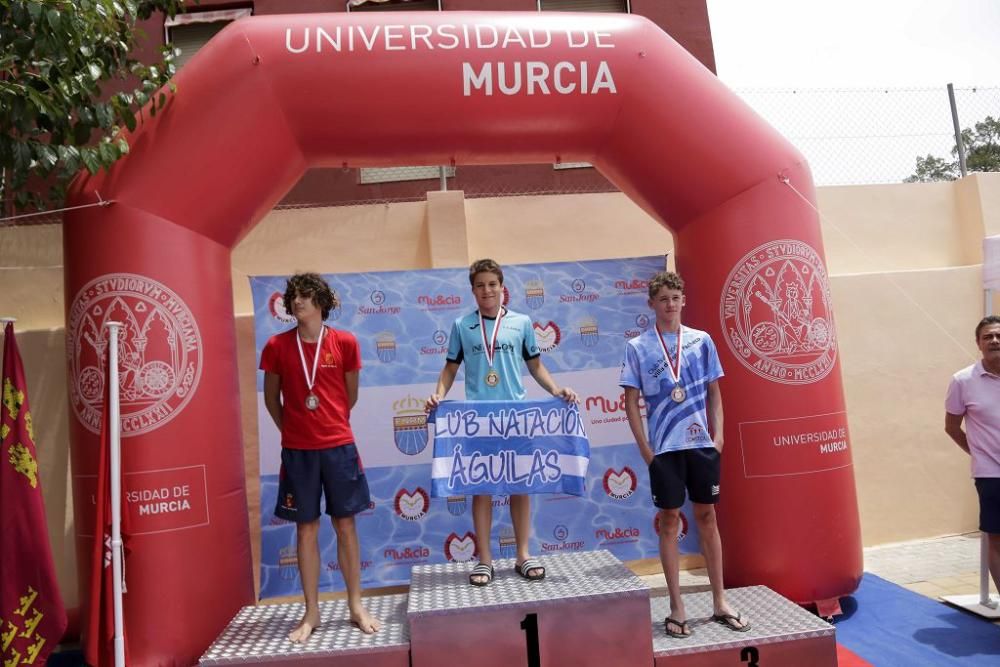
(272,96)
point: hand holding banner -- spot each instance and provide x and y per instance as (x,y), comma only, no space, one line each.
(509,448)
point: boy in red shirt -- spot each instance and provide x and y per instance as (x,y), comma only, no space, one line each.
(310,386)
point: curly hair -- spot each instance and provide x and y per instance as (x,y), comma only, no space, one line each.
(667,279)
(484,266)
(311,285)
(985,322)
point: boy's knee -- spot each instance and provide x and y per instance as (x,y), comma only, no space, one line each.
(704,515)
(670,522)
(343,526)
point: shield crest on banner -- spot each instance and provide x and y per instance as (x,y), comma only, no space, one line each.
(385,347)
(457,505)
(409,432)
(534,294)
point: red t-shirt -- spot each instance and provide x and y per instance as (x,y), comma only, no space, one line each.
(329,425)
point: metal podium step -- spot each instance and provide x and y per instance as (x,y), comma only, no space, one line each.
(589,610)
(781,633)
(259,635)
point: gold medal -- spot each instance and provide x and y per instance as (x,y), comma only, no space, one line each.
(490,347)
(492,378)
(312,401)
(678,394)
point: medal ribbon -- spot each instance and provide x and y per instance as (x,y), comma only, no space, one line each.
(489,348)
(310,379)
(675,368)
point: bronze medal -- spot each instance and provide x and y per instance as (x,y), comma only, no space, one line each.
(492,378)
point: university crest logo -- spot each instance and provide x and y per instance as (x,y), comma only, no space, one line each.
(776,314)
(159,348)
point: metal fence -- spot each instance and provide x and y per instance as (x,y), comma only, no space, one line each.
(849,137)
(854,137)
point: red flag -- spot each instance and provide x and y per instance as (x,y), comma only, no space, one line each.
(32,616)
(98,629)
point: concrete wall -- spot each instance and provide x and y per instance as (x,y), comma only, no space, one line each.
(906,279)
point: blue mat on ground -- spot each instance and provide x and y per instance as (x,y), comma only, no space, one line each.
(889,625)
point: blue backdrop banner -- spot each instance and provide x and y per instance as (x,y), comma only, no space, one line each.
(509,448)
(582,314)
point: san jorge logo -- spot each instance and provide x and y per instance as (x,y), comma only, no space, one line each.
(776,313)
(159,351)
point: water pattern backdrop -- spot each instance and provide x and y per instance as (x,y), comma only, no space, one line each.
(582,313)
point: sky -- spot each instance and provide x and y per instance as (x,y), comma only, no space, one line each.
(856,43)
(869,76)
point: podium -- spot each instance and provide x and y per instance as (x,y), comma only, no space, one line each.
(781,633)
(259,635)
(589,610)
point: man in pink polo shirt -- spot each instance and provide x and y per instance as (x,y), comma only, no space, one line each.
(974,395)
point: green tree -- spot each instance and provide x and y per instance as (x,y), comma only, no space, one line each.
(982,153)
(58,59)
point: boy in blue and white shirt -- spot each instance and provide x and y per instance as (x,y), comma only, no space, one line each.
(493,342)
(676,369)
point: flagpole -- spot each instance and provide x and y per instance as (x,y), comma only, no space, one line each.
(116,494)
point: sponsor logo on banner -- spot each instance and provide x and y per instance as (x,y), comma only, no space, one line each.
(439,301)
(507,543)
(547,335)
(440,339)
(411,506)
(160,351)
(276,304)
(385,347)
(590,335)
(288,562)
(456,505)
(563,541)
(409,425)
(460,549)
(409,555)
(334,566)
(620,484)
(380,305)
(641,324)
(534,294)
(633,286)
(604,410)
(580,293)
(776,313)
(682,531)
(617,535)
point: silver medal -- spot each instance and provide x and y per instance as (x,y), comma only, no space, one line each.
(312,401)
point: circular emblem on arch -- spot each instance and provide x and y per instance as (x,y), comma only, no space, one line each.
(776,313)
(159,351)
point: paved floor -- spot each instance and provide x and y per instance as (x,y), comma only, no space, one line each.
(941,566)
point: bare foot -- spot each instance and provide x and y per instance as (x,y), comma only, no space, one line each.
(305,628)
(367,623)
